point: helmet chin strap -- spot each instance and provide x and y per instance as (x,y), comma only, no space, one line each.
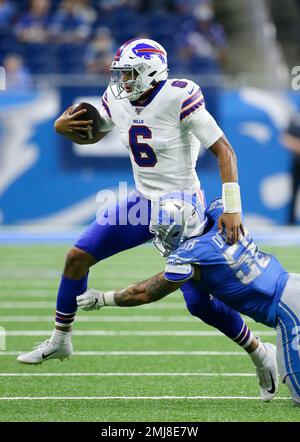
(163,76)
(138,95)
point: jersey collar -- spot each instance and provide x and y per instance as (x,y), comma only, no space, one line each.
(151,96)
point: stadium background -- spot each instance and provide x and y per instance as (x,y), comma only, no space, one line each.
(58,53)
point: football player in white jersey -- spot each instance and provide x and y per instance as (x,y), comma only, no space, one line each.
(161,122)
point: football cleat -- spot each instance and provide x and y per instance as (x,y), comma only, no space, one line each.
(268,374)
(45,351)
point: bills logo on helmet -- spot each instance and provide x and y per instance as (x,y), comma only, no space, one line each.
(121,48)
(147,51)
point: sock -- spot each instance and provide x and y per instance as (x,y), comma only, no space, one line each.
(60,337)
(258,355)
(245,336)
(66,304)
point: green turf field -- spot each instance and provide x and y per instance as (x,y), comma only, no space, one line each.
(149,363)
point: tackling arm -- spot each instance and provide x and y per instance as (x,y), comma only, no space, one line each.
(144,292)
(150,290)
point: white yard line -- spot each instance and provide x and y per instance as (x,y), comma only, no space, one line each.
(131,333)
(28,304)
(31,293)
(165,305)
(116,374)
(103,318)
(142,353)
(51,305)
(99,318)
(38,274)
(80,398)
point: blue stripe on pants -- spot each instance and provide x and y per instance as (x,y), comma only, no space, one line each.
(289,325)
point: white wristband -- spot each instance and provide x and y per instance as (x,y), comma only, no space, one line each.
(231,198)
(109,299)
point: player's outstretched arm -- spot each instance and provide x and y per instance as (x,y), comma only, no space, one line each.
(151,290)
(76,130)
(231,217)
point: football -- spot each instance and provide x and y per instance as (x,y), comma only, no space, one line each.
(90,114)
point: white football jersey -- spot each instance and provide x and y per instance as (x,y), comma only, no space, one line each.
(163,135)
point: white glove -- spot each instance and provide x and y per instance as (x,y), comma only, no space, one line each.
(90,300)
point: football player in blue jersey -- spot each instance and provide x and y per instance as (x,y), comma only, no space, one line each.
(247,280)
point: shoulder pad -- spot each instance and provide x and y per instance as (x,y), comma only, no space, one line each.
(215,209)
(105,102)
(191,97)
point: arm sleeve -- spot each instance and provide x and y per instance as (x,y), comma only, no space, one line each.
(202,124)
(107,123)
(178,272)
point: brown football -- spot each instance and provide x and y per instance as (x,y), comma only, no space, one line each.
(90,114)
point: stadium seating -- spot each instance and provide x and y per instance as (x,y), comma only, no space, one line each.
(124,22)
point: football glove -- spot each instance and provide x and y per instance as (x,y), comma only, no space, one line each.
(90,300)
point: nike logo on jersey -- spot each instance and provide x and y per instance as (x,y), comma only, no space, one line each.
(190,92)
(273,388)
(49,354)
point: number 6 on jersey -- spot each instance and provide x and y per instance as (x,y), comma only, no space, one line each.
(143,154)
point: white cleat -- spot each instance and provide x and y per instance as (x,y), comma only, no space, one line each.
(268,374)
(45,351)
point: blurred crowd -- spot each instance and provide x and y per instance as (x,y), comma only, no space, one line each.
(81,36)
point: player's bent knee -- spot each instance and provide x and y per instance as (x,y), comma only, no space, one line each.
(78,262)
(196,309)
(204,310)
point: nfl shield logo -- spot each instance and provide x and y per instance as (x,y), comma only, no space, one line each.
(138,110)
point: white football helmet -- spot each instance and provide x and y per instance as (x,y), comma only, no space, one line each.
(175,218)
(139,65)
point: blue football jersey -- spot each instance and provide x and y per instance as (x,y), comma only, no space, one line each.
(246,279)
